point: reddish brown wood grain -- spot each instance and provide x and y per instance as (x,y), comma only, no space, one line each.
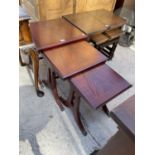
(99,85)
(53,33)
(73,58)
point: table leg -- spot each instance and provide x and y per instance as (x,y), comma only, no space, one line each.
(70,98)
(35,63)
(106,110)
(76,113)
(112,50)
(52,81)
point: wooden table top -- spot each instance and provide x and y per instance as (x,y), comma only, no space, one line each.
(124,115)
(99,85)
(73,58)
(53,33)
(95,21)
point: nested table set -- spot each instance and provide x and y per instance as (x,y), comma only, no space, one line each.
(70,57)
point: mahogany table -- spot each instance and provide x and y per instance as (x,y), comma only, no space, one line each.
(95,21)
(69,60)
(50,34)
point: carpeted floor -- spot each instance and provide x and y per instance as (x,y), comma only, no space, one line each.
(45,130)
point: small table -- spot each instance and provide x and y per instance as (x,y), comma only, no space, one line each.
(124,115)
(97,86)
(69,60)
(50,34)
(95,21)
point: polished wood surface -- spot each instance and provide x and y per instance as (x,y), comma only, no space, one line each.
(119,144)
(124,115)
(73,58)
(53,33)
(99,85)
(95,21)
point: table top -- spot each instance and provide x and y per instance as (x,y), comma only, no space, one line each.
(124,115)
(95,21)
(73,58)
(53,33)
(99,85)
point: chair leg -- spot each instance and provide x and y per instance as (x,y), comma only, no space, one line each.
(35,62)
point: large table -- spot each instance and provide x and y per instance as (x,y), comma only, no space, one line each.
(95,21)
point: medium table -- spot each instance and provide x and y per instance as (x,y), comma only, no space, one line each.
(69,60)
(95,21)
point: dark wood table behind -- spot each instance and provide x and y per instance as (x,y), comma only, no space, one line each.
(95,21)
